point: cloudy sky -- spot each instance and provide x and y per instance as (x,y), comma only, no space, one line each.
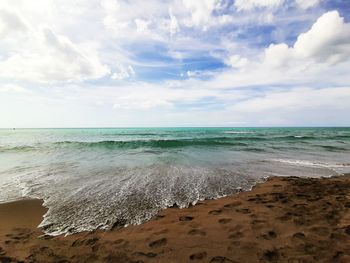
(117,63)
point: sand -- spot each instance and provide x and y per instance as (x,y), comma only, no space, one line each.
(282,220)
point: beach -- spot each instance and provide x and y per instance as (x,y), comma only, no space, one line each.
(285,219)
(98,178)
(174,131)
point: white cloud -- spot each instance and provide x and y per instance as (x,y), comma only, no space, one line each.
(195,73)
(44,42)
(247,5)
(142,25)
(135,103)
(316,57)
(10,23)
(305,4)
(236,61)
(50,57)
(12,88)
(327,41)
(123,73)
(296,100)
(111,5)
(279,55)
(200,11)
(174,25)
(137,20)
(251,4)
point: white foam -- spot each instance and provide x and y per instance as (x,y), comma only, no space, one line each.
(134,196)
(82,198)
(310,163)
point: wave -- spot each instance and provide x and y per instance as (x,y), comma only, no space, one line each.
(311,164)
(133,197)
(237,139)
(252,149)
(333,148)
(23,148)
(239,132)
(170,143)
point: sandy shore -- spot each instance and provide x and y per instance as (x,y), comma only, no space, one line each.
(282,220)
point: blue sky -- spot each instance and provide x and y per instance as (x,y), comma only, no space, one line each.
(121,63)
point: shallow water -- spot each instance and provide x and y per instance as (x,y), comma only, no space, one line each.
(97,178)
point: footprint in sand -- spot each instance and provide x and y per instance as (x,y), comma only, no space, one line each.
(287,216)
(215,212)
(259,222)
(236,228)
(6,259)
(277,185)
(299,235)
(196,232)
(77,242)
(280,197)
(161,232)
(118,241)
(320,230)
(224,220)
(219,259)
(269,235)
(2,251)
(20,234)
(198,256)
(243,210)
(91,241)
(258,200)
(143,254)
(236,235)
(271,255)
(310,249)
(186,218)
(232,205)
(347,230)
(194,225)
(158,243)
(86,242)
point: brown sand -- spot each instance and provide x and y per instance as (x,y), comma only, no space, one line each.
(21,214)
(282,220)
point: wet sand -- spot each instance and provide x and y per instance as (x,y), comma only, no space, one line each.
(282,220)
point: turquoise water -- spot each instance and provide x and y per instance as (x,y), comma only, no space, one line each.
(97,178)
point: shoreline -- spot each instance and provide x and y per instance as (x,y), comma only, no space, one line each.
(283,219)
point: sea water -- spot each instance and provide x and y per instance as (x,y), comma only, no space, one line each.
(104,178)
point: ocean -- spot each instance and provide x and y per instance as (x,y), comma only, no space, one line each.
(104,178)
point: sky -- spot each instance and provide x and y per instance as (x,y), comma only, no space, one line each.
(135,63)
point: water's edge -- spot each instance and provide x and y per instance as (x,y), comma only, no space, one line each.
(259,182)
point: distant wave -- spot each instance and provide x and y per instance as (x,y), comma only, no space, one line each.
(169,143)
(22,148)
(136,134)
(246,141)
(254,149)
(239,132)
(333,148)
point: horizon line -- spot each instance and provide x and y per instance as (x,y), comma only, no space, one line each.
(150,127)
